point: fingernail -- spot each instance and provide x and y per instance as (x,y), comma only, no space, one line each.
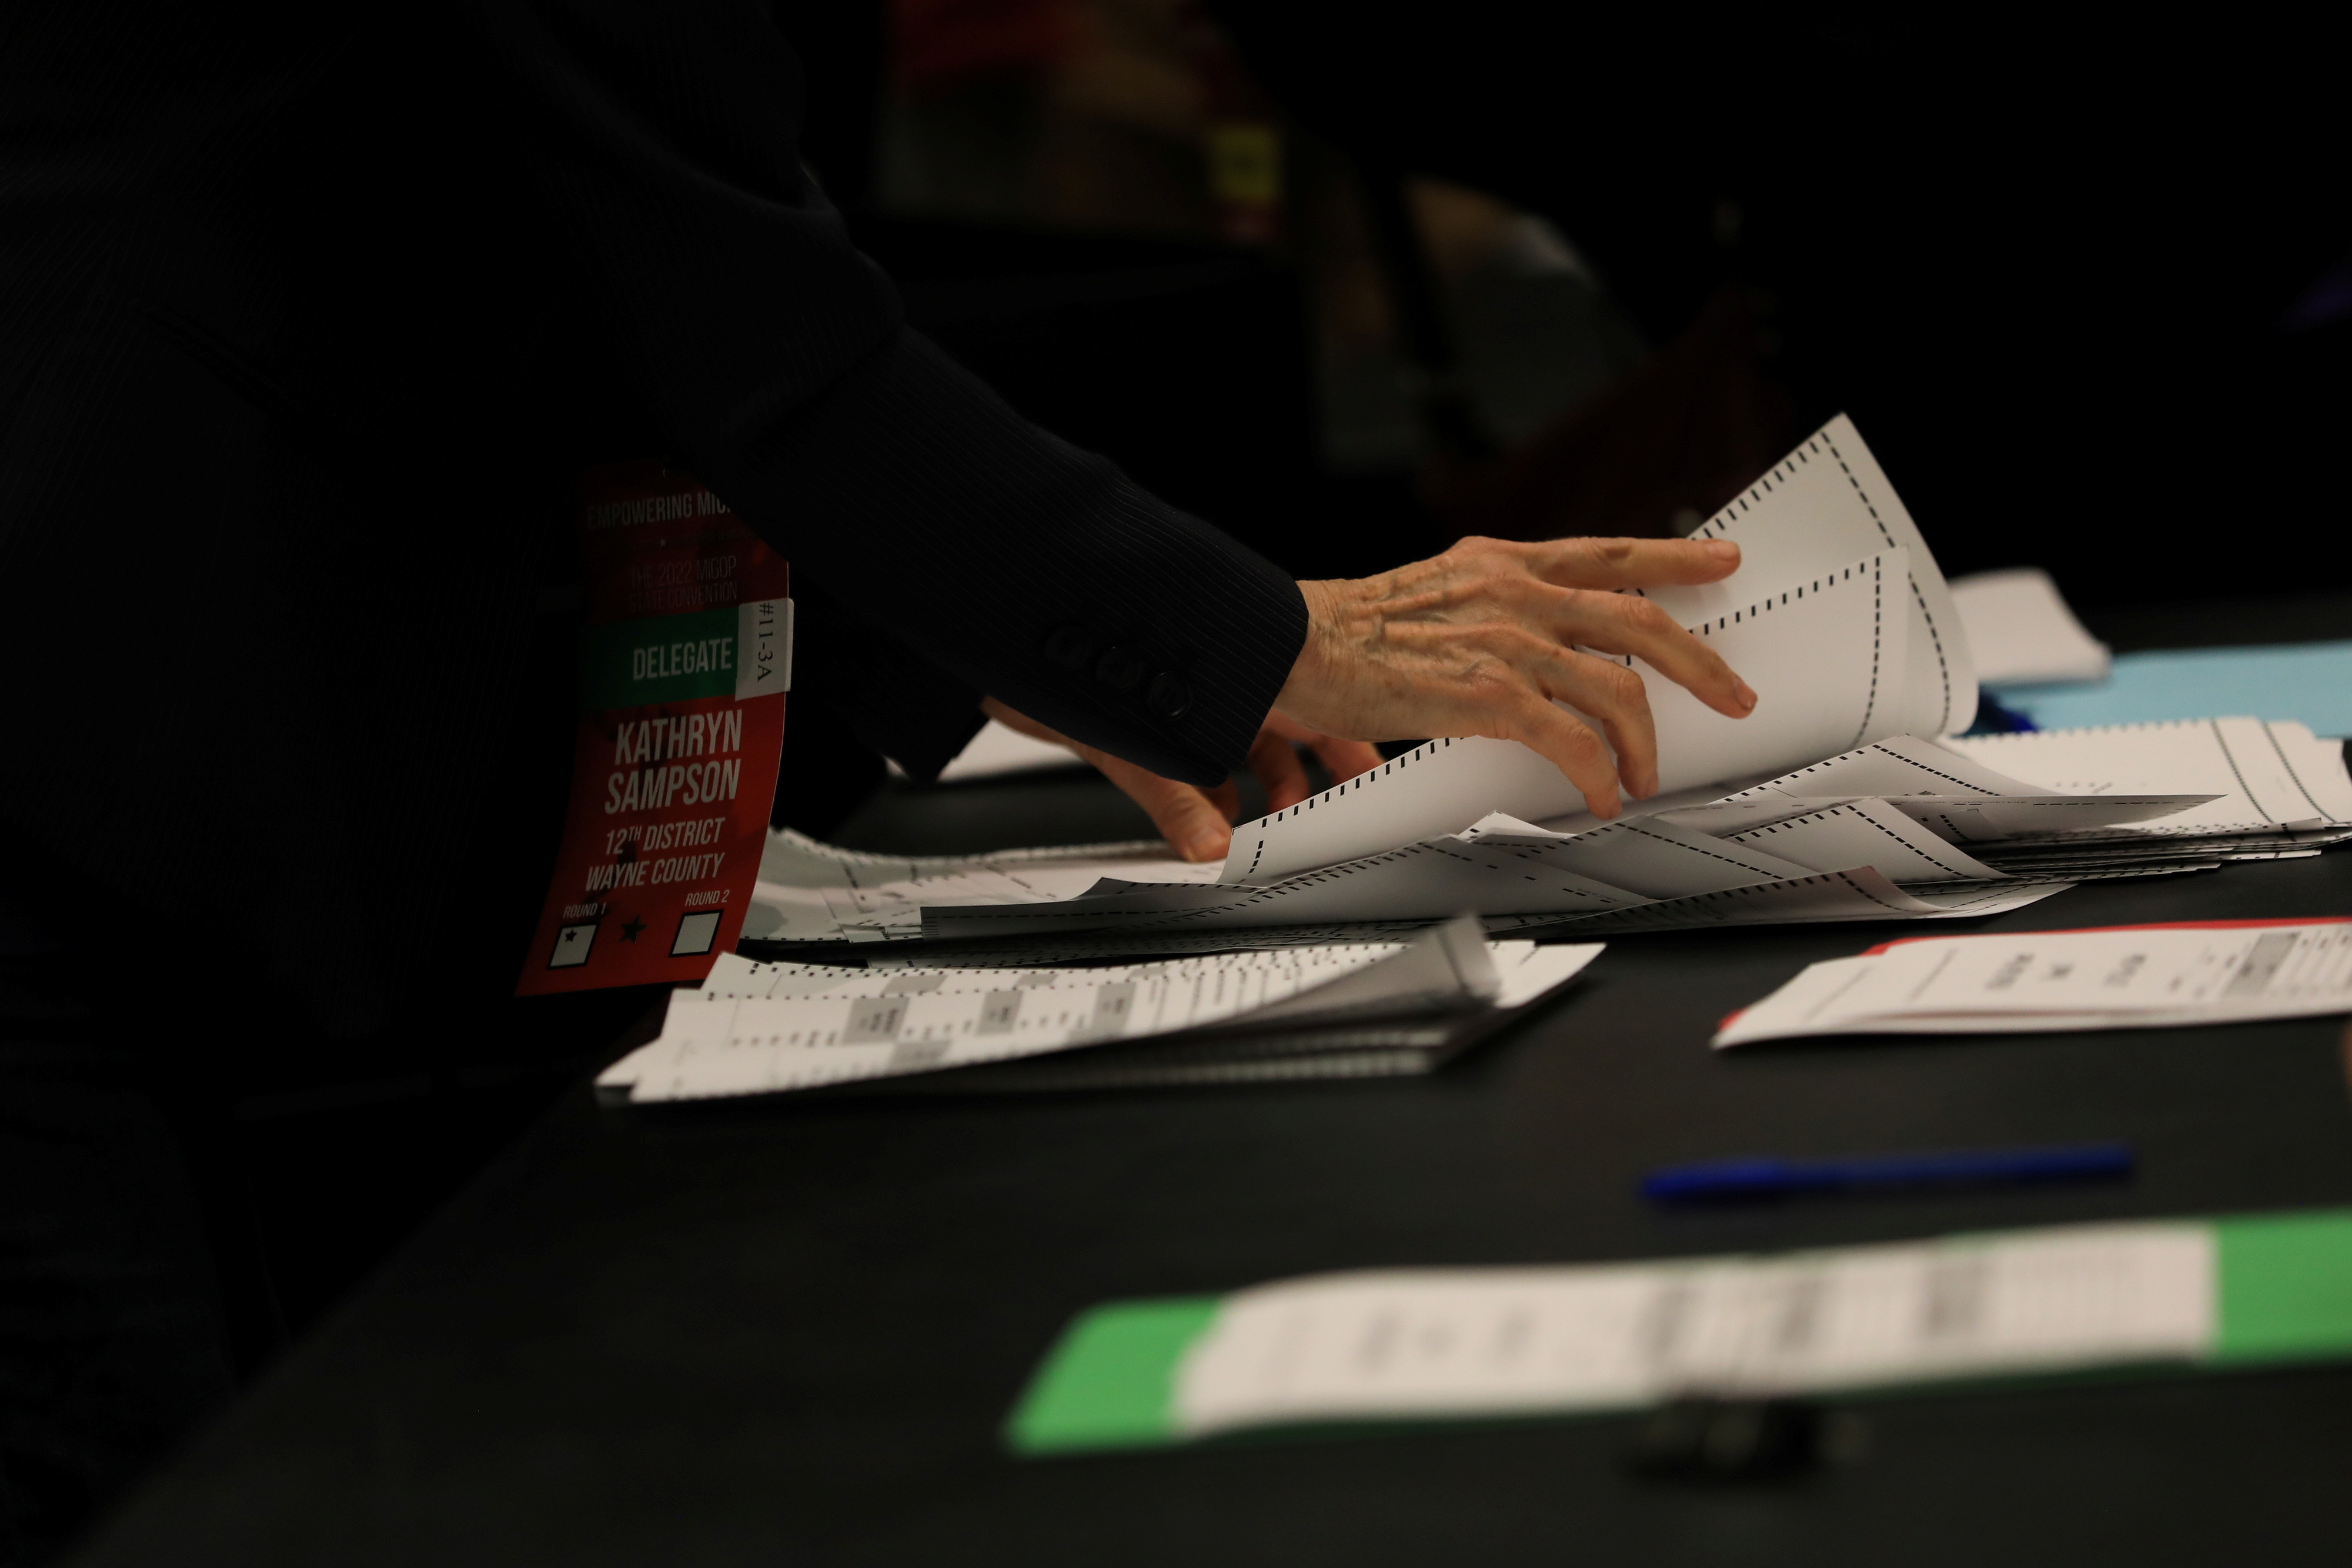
(1721,549)
(1746,695)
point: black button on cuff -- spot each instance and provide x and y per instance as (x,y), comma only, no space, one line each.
(1070,648)
(1170,696)
(1119,670)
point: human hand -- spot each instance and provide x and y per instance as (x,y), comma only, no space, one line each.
(1197,822)
(1483,639)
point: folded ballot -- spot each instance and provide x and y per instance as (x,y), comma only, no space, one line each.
(2147,976)
(1325,1011)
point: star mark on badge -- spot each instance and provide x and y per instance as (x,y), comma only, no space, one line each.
(632,930)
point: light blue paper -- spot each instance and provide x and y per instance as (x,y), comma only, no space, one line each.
(2306,681)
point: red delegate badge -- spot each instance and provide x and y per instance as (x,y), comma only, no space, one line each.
(685,659)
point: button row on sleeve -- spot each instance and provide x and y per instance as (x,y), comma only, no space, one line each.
(1073,648)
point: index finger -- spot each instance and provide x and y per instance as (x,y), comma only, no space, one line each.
(1633,563)
(1630,624)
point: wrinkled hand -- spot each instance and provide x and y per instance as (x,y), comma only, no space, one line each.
(1483,639)
(1197,822)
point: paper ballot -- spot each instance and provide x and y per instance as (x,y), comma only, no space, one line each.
(2133,977)
(762,1028)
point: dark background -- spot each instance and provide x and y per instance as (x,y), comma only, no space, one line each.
(2074,286)
(2085,286)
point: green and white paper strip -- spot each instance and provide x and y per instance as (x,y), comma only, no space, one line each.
(1431,1345)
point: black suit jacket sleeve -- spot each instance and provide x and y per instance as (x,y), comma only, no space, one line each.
(889,698)
(772,357)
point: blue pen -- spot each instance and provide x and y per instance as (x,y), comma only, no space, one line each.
(1719,1181)
(1997,717)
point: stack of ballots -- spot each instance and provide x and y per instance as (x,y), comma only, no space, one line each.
(1369,1010)
(2272,791)
(1848,793)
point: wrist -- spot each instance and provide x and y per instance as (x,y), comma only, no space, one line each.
(1304,690)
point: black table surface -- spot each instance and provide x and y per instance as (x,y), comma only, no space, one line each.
(789,1331)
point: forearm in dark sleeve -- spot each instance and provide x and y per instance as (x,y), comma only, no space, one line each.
(769,353)
(1036,573)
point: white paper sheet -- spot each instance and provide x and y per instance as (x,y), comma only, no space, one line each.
(1460,1342)
(1978,810)
(2028,981)
(1500,866)
(813,892)
(997,750)
(881,1024)
(1418,882)
(1578,866)
(1647,856)
(737,979)
(1899,765)
(1825,504)
(1857,892)
(1867,833)
(1104,947)
(2007,819)
(2023,633)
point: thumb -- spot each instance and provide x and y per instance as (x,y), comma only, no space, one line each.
(1190,822)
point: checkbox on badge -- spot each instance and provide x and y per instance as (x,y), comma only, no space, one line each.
(696,933)
(571,945)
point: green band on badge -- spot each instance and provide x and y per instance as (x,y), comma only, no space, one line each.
(667,659)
